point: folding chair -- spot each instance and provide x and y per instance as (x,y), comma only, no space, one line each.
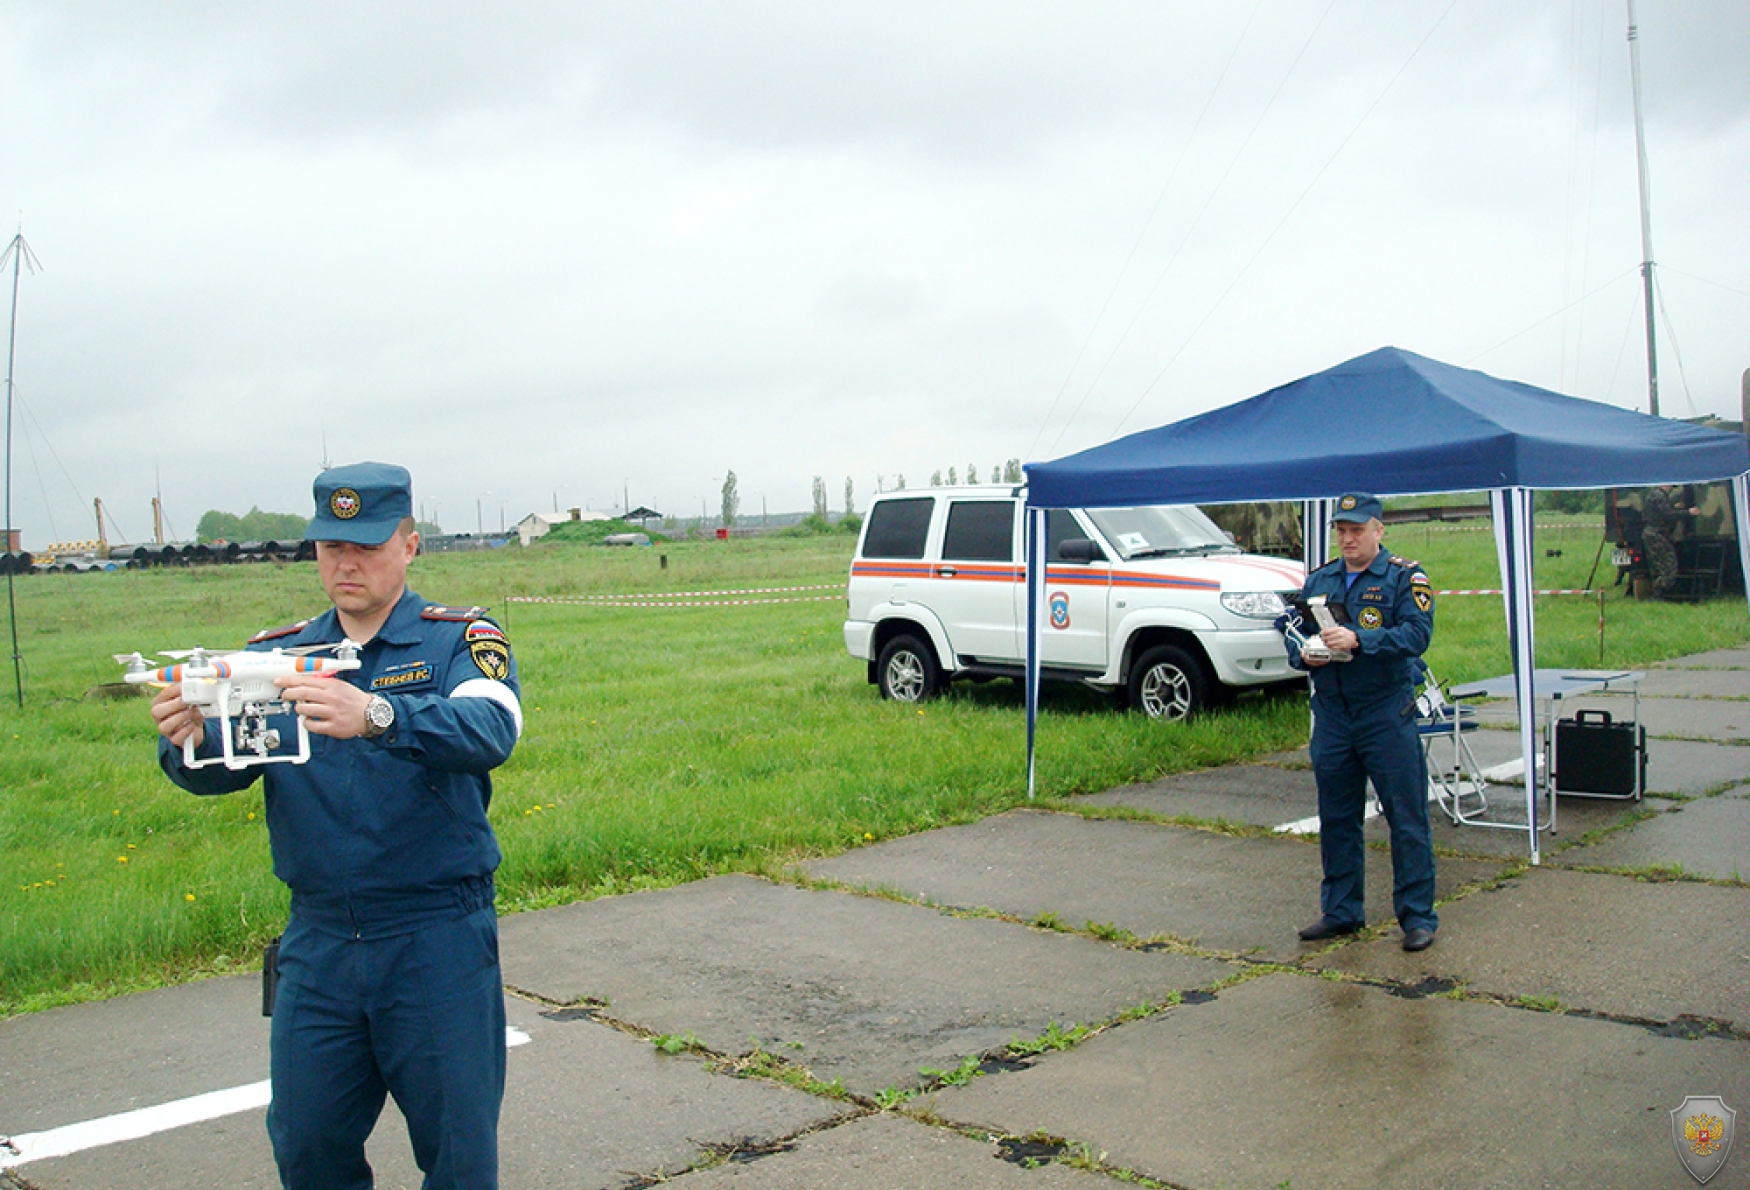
(1455,779)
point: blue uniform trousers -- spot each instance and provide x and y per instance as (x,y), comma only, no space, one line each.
(419,1015)
(1350,745)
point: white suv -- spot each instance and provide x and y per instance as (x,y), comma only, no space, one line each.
(1155,602)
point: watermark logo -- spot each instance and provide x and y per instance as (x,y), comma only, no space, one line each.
(1702,1131)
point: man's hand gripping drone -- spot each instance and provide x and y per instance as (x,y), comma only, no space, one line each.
(1318,614)
(238,690)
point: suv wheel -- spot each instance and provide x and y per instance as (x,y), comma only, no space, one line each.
(907,671)
(1168,683)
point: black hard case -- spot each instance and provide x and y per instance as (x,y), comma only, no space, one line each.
(1594,755)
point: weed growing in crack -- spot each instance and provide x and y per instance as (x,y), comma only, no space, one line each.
(1055,1037)
(681,1043)
(889,1098)
(957,1077)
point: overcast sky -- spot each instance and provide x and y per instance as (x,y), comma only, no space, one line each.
(556,253)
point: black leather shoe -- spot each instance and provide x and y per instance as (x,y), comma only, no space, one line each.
(1418,939)
(1329,927)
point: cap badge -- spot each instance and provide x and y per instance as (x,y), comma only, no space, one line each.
(1346,503)
(345,504)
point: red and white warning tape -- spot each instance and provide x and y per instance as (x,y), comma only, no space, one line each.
(1497,591)
(641,596)
(686,598)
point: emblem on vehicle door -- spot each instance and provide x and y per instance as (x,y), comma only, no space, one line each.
(1059,610)
(1702,1131)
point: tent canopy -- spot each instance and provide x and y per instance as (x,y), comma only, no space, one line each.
(1392,422)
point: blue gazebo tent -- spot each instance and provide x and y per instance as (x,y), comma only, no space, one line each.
(1394,423)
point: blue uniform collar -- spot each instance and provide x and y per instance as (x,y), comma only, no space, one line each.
(401,628)
(1377,567)
(403,625)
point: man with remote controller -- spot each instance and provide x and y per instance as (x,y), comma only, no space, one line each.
(1364,664)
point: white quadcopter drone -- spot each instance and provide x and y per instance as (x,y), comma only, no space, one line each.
(237,689)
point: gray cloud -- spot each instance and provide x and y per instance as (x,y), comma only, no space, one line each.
(559,251)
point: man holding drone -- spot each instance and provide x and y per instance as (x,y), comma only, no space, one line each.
(388,970)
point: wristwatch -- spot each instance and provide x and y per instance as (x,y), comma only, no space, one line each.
(379,717)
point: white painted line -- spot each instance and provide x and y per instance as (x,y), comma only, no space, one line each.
(148,1121)
(1310,826)
(133,1125)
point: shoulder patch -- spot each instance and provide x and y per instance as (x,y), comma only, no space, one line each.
(433,611)
(478,630)
(276,633)
(1410,562)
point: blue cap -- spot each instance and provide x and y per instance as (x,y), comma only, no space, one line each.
(1358,507)
(363,503)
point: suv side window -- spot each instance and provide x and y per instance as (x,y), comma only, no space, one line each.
(1060,526)
(898,528)
(980,531)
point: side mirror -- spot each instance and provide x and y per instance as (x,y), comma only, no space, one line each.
(1079,549)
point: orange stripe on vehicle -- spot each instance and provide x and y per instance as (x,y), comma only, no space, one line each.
(891,570)
(1168,581)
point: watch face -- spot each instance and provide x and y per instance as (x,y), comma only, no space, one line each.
(380,712)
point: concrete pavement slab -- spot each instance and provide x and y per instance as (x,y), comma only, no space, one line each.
(1709,838)
(1288,1080)
(1589,941)
(1716,719)
(1715,659)
(585,1106)
(1254,794)
(854,987)
(88,1061)
(883,1152)
(1693,768)
(1689,768)
(1243,896)
(1696,683)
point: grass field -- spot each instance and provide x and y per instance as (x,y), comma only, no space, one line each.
(660,745)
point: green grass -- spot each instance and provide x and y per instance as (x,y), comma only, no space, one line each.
(660,745)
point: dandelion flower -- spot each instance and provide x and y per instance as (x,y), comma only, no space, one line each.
(121,859)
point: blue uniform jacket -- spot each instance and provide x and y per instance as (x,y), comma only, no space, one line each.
(377,836)
(1391,610)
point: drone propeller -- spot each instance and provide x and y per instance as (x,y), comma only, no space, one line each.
(179,654)
(331,646)
(130,659)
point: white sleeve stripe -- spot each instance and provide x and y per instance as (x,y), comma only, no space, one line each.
(498,692)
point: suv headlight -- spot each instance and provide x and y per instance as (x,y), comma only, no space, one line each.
(1254,605)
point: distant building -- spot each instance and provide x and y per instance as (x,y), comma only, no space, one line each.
(539,524)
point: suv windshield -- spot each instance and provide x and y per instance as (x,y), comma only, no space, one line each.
(1160,530)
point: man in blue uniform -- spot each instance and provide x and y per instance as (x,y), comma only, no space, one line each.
(1364,724)
(388,970)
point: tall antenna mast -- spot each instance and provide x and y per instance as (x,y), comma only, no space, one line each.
(1634,59)
(21,255)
